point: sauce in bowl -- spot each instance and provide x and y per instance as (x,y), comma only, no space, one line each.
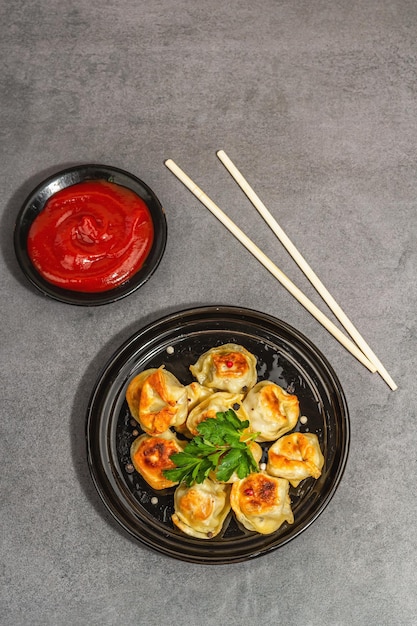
(91,236)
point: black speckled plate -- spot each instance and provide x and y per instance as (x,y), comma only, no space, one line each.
(35,203)
(284,356)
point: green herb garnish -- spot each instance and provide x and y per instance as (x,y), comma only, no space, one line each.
(220,447)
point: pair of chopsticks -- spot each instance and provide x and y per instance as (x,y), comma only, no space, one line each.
(358,347)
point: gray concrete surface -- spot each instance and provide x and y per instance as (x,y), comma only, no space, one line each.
(316,103)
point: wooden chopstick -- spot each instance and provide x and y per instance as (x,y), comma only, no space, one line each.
(305,267)
(269,265)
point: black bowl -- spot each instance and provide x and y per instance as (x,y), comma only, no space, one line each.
(35,203)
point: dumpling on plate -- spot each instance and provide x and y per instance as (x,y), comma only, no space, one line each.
(296,457)
(217,402)
(229,367)
(196,393)
(162,402)
(152,455)
(200,510)
(134,389)
(261,503)
(271,410)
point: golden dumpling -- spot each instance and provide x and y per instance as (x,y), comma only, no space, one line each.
(152,455)
(218,402)
(134,389)
(261,503)
(271,410)
(162,402)
(296,457)
(201,510)
(229,367)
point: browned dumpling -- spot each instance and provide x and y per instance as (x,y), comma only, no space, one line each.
(134,389)
(261,502)
(296,457)
(201,510)
(152,455)
(162,401)
(229,367)
(218,402)
(271,410)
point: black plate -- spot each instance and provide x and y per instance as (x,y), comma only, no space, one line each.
(284,356)
(35,203)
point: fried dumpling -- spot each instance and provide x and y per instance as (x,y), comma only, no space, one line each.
(229,367)
(134,389)
(152,455)
(196,393)
(296,457)
(162,402)
(261,503)
(218,402)
(271,410)
(200,510)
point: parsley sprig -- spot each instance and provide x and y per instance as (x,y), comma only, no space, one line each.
(220,447)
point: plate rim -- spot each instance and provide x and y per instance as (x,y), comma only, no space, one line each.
(217,310)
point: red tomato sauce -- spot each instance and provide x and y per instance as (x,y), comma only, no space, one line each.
(91,236)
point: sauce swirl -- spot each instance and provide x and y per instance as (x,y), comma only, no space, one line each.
(91,237)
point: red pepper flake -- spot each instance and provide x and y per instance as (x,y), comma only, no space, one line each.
(229,363)
(248,492)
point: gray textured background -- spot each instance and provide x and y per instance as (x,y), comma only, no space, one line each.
(316,103)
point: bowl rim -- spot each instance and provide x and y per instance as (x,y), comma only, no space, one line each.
(35,203)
